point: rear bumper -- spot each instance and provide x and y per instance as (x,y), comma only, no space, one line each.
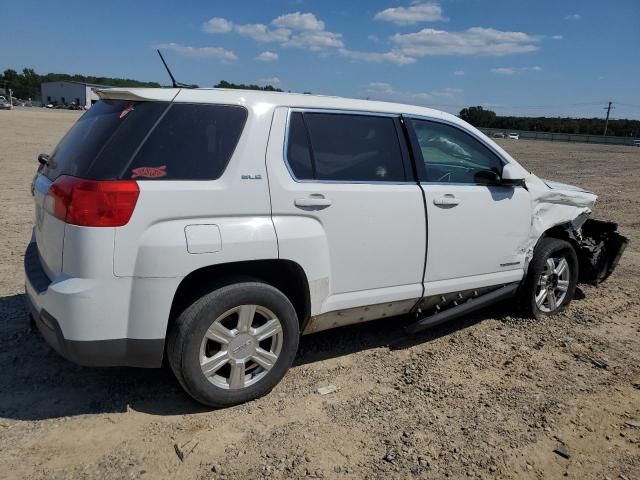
(80,310)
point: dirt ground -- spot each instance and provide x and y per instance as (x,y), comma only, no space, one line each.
(487,396)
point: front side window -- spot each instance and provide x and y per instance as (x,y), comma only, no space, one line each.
(344,147)
(453,156)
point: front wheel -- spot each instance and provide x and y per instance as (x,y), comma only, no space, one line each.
(234,344)
(551,279)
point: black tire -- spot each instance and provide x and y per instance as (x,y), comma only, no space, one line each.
(186,335)
(548,248)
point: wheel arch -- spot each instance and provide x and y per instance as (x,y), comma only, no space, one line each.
(285,275)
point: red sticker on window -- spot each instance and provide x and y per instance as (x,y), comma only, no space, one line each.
(149,172)
(127,110)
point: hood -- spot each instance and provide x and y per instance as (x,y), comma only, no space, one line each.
(562,186)
(556,193)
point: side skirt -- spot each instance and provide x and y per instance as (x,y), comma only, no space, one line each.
(472,304)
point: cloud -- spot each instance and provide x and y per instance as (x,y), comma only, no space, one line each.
(200,52)
(217,25)
(373,38)
(261,33)
(419,12)
(574,17)
(557,37)
(267,56)
(377,57)
(270,80)
(512,70)
(315,40)
(504,70)
(298,21)
(473,41)
(386,91)
(296,30)
(380,87)
(458,73)
(306,31)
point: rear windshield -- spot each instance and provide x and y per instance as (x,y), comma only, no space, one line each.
(119,139)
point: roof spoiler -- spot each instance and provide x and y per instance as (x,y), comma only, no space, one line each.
(138,94)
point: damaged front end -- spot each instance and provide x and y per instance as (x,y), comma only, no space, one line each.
(563,211)
(600,247)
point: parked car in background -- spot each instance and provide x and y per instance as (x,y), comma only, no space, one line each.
(214,227)
(498,135)
(514,136)
(5,104)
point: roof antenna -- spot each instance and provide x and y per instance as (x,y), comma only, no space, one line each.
(174,84)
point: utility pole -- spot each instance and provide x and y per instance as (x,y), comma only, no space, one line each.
(606,123)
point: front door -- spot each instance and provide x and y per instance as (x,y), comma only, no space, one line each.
(477,229)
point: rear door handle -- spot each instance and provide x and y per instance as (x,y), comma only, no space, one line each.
(446,200)
(313,201)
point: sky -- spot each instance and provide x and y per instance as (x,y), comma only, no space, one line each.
(516,57)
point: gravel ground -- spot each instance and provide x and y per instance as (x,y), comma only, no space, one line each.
(487,396)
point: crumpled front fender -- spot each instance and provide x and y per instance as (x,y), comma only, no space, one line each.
(600,247)
(563,210)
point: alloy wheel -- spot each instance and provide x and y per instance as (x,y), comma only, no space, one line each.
(241,346)
(553,284)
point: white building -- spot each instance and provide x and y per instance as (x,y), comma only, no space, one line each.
(68,92)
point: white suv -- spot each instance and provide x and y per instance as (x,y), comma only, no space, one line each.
(216,226)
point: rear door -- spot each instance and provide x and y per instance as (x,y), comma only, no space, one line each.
(477,229)
(350,173)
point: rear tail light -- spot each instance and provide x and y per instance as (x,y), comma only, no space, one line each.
(92,203)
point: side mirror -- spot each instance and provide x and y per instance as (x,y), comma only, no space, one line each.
(43,159)
(487,177)
(512,175)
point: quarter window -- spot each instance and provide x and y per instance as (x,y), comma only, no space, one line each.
(344,147)
(453,156)
(191,142)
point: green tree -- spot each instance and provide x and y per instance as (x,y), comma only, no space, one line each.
(242,86)
(478,116)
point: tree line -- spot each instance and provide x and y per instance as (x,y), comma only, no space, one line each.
(27,83)
(483,118)
(242,86)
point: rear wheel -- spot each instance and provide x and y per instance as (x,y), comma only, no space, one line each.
(551,279)
(234,344)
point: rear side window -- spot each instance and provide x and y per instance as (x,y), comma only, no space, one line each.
(191,142)
(149,140)
(344,147)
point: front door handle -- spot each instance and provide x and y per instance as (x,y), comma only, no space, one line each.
(315,200)
(446,200)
